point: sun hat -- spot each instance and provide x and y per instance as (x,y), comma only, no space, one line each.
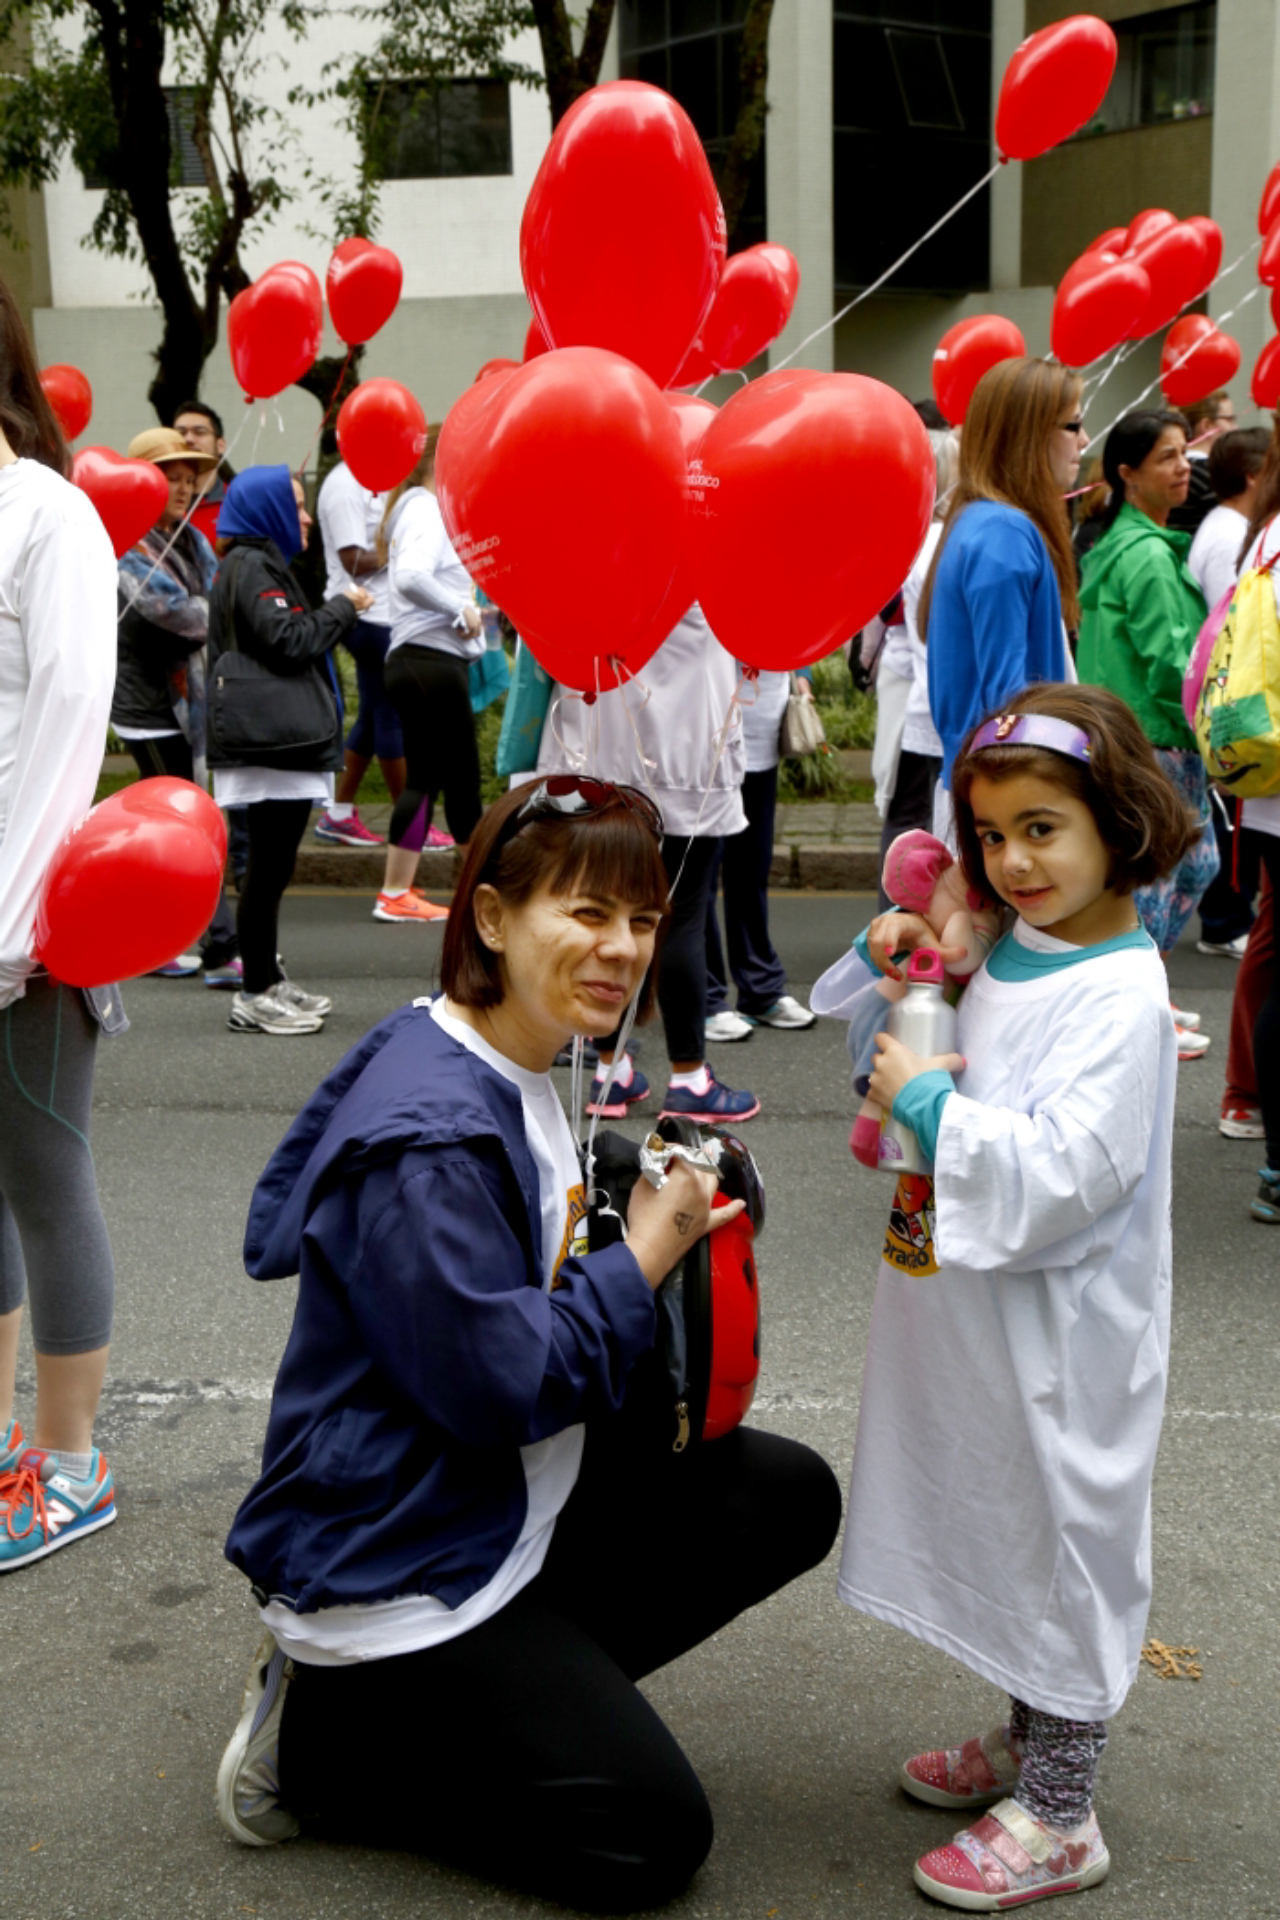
(160,445)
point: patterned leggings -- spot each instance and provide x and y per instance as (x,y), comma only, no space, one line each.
(1059,1764)
(1166,906)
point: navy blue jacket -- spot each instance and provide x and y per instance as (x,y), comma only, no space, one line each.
(424,1352)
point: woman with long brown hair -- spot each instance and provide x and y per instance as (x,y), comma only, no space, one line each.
(435,634)
(1003,576)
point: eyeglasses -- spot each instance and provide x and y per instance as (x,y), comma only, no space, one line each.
(576,796)
(1071,426)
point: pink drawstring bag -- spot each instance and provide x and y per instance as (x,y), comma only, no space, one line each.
(1198,664)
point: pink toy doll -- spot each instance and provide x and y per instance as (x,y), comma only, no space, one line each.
(921,876)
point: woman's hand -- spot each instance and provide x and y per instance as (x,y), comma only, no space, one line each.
(663,1222)
(890,932)
(358,597)
(471,619)
(896,1064)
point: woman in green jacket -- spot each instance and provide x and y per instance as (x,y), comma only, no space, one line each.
(1140,612)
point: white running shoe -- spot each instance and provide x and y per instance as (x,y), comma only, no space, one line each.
(248,1791)
(1190,1022)
(293,996)
(728,1025)
(268,1013)
(1191,1045)
(785,1012)
(1229,949)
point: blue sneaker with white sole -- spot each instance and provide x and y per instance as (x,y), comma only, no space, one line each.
(621,1099)
(1267,1205)
(712,1108)
(43,1508)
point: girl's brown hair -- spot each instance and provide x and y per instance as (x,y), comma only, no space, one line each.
(612,853)
(29,422)
(1138,811)
(418,478)
(1004,456)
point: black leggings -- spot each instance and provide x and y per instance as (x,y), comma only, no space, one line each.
(682,965)
(275,829)
(522,1750)
(1266,1028)
(430,692)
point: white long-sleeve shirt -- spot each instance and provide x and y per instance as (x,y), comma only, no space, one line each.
(429,584)
(57,671)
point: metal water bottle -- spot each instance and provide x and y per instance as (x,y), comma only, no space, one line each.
(923,1021)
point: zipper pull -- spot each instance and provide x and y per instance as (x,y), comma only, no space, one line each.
(681,1440)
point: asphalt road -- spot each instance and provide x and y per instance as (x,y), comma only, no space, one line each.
(126,1653)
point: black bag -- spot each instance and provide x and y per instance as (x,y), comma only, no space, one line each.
(673,1395)
(265,719)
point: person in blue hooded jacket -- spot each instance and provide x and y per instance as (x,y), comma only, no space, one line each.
(1003,573)
(275,737)
(464,1556)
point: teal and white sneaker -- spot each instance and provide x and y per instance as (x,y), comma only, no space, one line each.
(42,1508)
(248,1791)
(12,1448)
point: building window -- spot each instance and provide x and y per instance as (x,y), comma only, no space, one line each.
(911,110)
(1164,70)
(691,48)
(447,131)
(185,166)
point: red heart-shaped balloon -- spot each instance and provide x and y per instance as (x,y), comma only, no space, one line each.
(967,351)
(381,433)
(491,367)
(535,341)
(1053,82)
(751,307)
(130,495)
(1099,299)
(70,396)
(693,417)
(133,884)
(1211,233)
(1265,385)
(622,239)
(1145,225)
(1269,258)
(1114,240)
(1176,259)
(786,263)
(832,467)
(274,329)
(1269,205)
(1195,360)
(562,486)
(363,286)
(696,367)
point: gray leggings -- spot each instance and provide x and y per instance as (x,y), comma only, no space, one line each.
(51,1227)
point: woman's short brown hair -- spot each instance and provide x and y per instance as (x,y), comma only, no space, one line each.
(1139,813)
(612,853)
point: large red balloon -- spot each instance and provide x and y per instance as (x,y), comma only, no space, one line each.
(1175,259)
(491,367)
(1265,385)
(562,487)
(1269,205)
(1053,84)
(693,417)
(622,240)
(1144,225)
(1211,233)
(70,396)
(363,284)
(1114,240)
(136,882)
(1269,258)
(130,495)
(274,329)
(821,485)
(696,367)
(786,263)
(535,341)
(381,433)
(1099,300)
(1195,360)
(964,354)
(751,307)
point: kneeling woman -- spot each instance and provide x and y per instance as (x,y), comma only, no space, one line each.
(463,1565)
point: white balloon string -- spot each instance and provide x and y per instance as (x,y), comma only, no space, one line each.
(196,498)
(574,756)
(889,272)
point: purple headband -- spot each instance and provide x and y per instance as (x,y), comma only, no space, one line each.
(1034,730)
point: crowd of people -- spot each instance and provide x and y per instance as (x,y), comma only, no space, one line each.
(456,1522)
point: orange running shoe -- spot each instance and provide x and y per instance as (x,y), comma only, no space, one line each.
(404,907)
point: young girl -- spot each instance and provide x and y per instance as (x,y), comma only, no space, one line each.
(1015,1372)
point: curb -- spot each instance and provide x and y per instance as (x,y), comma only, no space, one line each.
(826,868)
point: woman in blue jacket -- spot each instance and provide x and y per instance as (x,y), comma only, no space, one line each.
(463,1563)
(1003,575)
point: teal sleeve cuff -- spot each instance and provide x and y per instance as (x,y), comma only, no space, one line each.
(863,952)
(919,1106)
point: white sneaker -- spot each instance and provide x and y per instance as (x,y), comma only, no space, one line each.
(1191,1045)
(728,1025)
(293,996)
(1189,1022)
(1229,949)
(268,1013)
(785,1012)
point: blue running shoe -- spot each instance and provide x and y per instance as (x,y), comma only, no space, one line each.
(621,1099)
(712,1108)
(1267,1205)
(42,1508)
(248,1791)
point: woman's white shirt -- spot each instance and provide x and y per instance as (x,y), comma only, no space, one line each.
(1264,815)
(919,735)
(430,587)
(762,719)
(57,672)
(341,1636)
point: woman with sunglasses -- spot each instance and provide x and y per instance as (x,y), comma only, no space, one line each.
(464,1564)
(1003,574)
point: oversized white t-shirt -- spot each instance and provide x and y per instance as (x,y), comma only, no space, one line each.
(1017,1358)
(919,735)
(340,1636)
(1214,550)
(350,516)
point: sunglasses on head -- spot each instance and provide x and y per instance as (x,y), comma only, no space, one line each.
(576,796)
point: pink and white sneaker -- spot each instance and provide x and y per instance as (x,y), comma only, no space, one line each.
(437,837)
(351,832)
(975,1775)
(1008,1859)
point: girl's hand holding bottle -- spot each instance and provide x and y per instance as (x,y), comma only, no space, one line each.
(896,1064)
(892,932)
